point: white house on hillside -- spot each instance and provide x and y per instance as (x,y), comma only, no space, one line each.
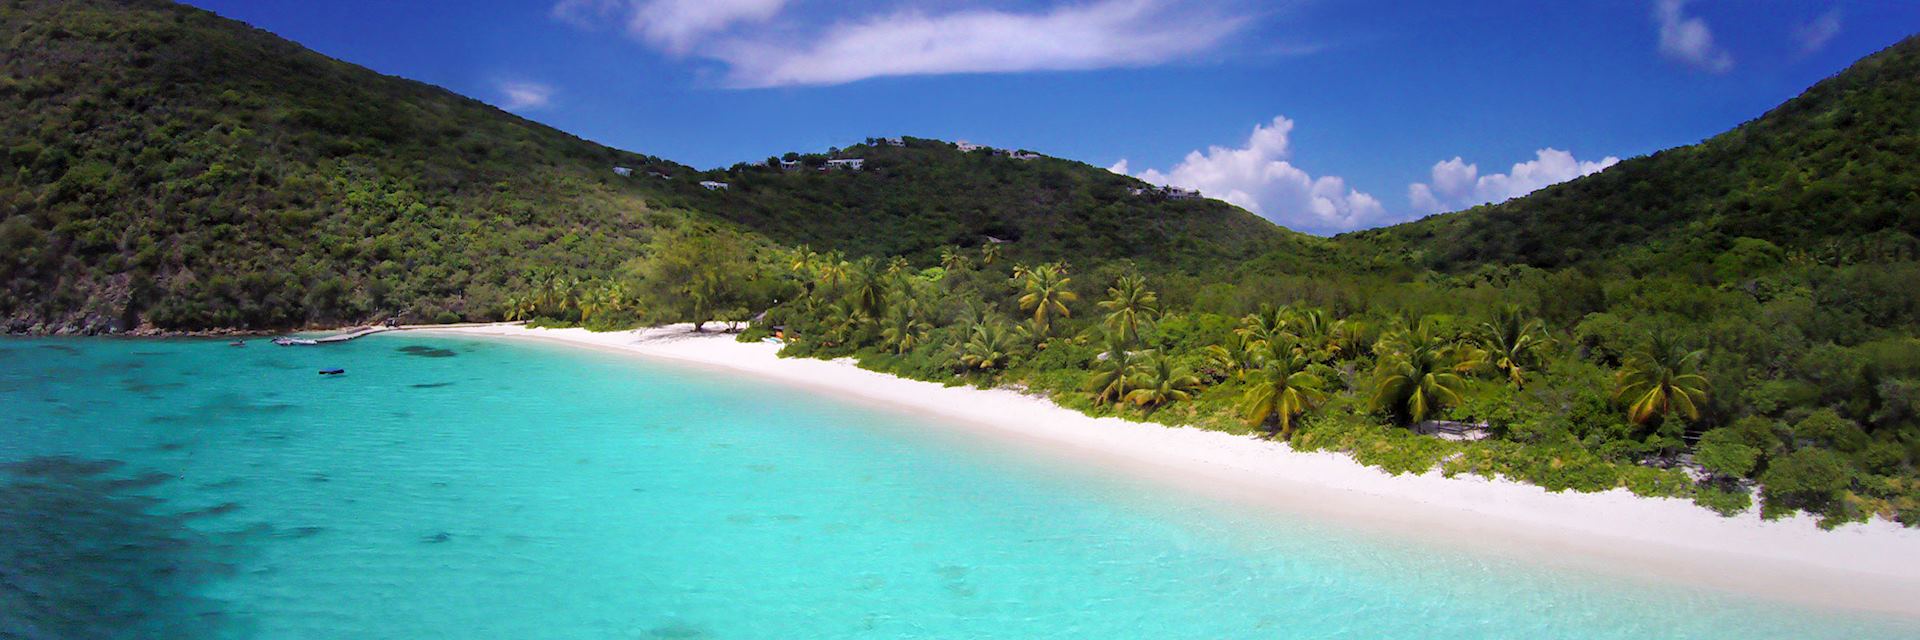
(713,186)
(623,171)
(893,142)
(790,165)
(855,164)
(967,146)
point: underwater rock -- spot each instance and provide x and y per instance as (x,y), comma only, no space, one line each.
(424,351)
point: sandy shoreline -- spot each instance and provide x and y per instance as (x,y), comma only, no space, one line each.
(1871,567)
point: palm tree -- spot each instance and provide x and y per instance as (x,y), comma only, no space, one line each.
(1129,303)
(868,289)
(1511,341)
(804,262)
(517,308)
(1419,373)
(988,346)
(1351,338)
(1267,324)
(905,329)
(1161,383)
(1314,333)
(1113,373)
(1047,295)
(1662,378)
(989,253)
(832,270)
(952,259)
(898,265)
(1282,388)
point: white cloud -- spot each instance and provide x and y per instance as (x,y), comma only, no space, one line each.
(677,26)
(1109,33)
(1814,36)
(1457,185)
(674,26)
(1259,178)
(1688,40)
(523,96)
(739,34)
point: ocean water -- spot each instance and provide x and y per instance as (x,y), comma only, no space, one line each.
(449,488)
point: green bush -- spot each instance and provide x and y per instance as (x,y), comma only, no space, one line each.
(1726,502)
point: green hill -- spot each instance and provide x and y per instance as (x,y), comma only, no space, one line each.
(1828,173)
(915,198)
(166,164)
(162,165)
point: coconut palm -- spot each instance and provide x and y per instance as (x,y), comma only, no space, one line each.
(1314,333)
(867,288)
(952,259)
(1128,304)
(904,327)
(898,265)
(1662,378)
(1281,387)
(1419,372)
(1160,382)
(804,261)
(1047,296)
(1113,373)
(989,253)
(1512,341)
(989,346)
(1267,324)
(1351,338)
(517,308)
(831,270)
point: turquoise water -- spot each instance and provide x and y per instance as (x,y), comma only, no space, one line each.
(448,488)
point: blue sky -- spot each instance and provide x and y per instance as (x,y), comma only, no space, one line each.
(1321,115)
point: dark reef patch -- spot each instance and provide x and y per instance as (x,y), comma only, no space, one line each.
(81,558)
(423,351)
(431,385)
(61,467)
(72,351)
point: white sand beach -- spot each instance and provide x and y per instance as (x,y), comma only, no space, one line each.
(1873,567)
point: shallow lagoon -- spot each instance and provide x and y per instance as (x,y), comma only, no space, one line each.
(449,488)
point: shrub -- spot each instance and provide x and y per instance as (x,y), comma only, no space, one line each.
(1726,502)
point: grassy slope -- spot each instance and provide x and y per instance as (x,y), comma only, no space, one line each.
(1828,172)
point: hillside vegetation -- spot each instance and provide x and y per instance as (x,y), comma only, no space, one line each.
(163,166)
(1828,174)
(912,200)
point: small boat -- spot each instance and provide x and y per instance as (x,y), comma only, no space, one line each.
(237,343)
(288,342)
(332,372)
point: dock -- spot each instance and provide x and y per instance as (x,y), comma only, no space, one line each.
(338,337)
(361,332)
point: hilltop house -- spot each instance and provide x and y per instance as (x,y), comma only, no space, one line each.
(713,186)
(855,164)
(893,142)
(623,171)
(790,165)
(1170,193)
(965,146)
